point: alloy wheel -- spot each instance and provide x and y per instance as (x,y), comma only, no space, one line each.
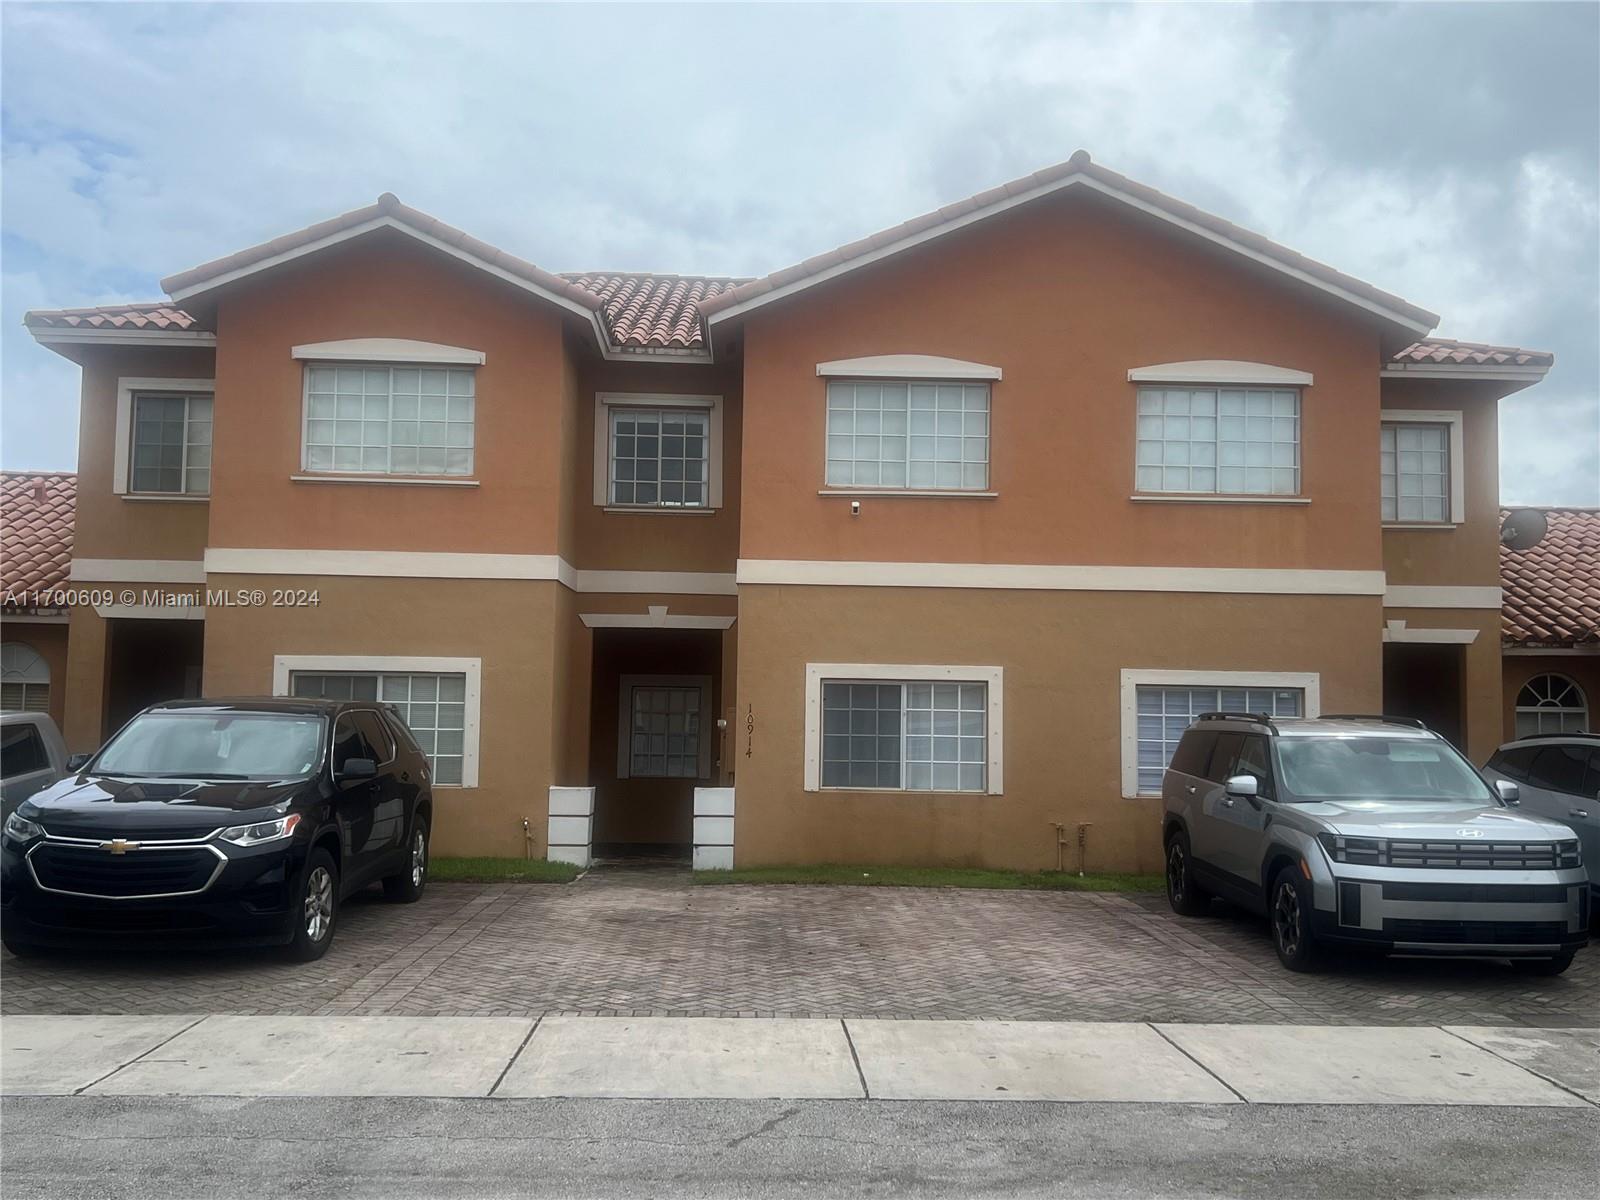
(1286,918)
(319,904)
(1177,871)
(419,858)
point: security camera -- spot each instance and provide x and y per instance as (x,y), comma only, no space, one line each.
(855,508)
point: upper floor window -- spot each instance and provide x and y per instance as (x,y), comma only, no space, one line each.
(171,443)
(1419,453)
(390,420)
(1224,441)
(893,434)
(658,452)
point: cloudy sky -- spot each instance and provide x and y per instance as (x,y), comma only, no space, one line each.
(1448,153)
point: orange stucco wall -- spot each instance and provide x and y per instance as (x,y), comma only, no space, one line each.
(387,287)
(1065,297)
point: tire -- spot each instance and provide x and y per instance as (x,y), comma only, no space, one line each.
(1187,898)
(408,886)
(1543,966)
(22,949)
(316,909)
(1289,914)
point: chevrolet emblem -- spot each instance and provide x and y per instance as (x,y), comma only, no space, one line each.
(119,846)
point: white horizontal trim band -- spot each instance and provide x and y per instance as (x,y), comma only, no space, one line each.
(1220,370)
(1030,577)
(409,564)
(907,366)
(137,570)
(387,350)
(1413,596)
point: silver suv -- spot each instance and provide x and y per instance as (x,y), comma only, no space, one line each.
(1367,830)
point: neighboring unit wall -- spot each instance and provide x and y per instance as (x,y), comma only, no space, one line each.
(1063,654)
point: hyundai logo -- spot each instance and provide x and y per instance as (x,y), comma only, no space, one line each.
(1472,833)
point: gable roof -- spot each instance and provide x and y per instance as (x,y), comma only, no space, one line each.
(652,311)
(1551,593)
(1078,170)
(1446,358)
(36,513)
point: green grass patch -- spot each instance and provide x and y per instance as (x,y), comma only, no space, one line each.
(949,877)
(501,870)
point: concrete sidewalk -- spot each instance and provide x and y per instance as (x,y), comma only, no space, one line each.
(715,1058)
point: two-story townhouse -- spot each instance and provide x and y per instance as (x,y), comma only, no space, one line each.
(920,549)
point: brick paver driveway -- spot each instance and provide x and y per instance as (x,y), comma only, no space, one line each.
(638,942)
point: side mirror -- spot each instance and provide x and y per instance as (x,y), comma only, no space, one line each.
(76,761)
(1243,785)
(1510,793)
(358,768)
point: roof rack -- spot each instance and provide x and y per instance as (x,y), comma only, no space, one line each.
(1414,722)
(1258,718)
(1571,733)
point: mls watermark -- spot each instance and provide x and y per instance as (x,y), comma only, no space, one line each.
(68,597)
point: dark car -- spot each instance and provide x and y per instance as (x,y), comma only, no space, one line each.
(242,822)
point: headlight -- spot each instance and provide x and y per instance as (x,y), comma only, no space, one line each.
(261,833)
(20,829)
(1367,851)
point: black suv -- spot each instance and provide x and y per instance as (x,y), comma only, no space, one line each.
(221,821)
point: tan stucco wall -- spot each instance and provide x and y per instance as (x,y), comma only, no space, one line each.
(49,641)
(1517,669)
(383,287)
(107,525)
(509,624)
(1065,297)
(1062,654)
(1469,554)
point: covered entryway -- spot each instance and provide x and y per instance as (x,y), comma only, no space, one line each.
(654,737)
(1424,680)
(148,661)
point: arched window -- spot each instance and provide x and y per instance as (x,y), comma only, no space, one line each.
(24,679)
(1551,704)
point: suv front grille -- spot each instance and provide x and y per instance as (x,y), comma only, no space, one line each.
(1477,933)
(1453,855)
(91,871)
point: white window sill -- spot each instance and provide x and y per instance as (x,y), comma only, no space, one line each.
(864,791)
(909,493)
(1419,525)
(659,510)
(161,498)
(1202,498)
(388,480)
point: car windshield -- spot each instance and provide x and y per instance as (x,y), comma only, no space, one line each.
(209,745)
(1377,768)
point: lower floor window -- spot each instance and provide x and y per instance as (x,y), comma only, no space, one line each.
(665,733)
(1551,704)
(433,707)
(24,697)
(912,736)
(1165,712)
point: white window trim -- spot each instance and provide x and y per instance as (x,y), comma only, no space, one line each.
(992,677)
(284,665)
(1456,465)
(1220,371)
(122,452)
(310,473)
(389,350)
(907,366)
(1308,682)
(604,401)
(708,725)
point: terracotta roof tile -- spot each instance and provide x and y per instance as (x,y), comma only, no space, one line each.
(153,314)
(1552,592)
(1078,164)
(652,312)
(1449,352)
(36,511)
